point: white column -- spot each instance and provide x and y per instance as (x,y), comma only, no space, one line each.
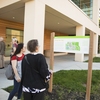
(96,12)
(80,31)
(34,22)
(95,45)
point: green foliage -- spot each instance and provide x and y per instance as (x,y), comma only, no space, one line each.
(95,88)
(9,89)
(72,79)
(76,80)
(70,82)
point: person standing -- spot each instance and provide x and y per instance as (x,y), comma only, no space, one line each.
(16,60)
(14,45)
(2,53)
(35,73)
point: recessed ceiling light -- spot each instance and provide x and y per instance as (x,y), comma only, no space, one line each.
(13,17)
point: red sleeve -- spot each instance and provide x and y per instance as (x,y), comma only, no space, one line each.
(22,57)
(14,58)
(17,58)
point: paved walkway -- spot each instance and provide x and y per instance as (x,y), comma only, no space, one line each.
(60,63)
(4,82)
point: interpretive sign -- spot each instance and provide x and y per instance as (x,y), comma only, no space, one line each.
(72,44)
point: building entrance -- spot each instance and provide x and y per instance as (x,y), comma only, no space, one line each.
(10,33)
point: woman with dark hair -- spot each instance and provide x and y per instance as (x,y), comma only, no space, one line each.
(16,60)
(35,73)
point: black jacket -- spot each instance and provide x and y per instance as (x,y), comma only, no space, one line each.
(30,78)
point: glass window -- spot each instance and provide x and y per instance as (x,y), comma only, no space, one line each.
(10,33)
(86,6)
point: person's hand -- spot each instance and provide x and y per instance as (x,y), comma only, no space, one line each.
(18,79)
(51,71)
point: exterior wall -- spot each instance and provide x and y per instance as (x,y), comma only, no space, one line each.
(96,12)
(67,4)
(47,36)
(4,3)
(64,7)
(8,24)
(3,32)
(82,19)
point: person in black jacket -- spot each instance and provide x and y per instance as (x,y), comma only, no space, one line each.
(35,73)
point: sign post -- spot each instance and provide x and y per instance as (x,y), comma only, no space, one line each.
(89,77)
(51,60)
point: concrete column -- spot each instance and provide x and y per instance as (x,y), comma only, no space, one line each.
(95,45)
(96,12)
(80,31)
(34,22)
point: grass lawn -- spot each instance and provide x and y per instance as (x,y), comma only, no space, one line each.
(95,59)
(72,83)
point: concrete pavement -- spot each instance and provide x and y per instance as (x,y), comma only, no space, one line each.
(4,82)
(65,62)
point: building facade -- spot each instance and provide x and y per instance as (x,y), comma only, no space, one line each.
(28,19)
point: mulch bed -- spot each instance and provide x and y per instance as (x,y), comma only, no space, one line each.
(60,93)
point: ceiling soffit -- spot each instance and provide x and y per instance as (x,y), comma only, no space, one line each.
(54,20)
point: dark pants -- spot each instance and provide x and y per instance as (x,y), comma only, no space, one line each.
(17,89)
(1,61)
(33,96)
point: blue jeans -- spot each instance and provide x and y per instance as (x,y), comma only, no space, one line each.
(17,89)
